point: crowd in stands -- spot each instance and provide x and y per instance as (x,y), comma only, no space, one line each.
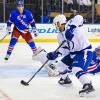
(50,8)
(83,7)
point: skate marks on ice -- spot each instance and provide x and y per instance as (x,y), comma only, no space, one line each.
(41,87)
(12,71)
(47,88)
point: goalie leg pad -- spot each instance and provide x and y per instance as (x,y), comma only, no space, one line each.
(51,66)
(40,56)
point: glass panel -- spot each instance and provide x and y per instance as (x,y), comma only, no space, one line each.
(45,10)
(97,12)
(1,11)
(34,7)
(83,7)
(54,8)
(8,8)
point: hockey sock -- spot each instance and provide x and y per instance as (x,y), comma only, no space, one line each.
(81,75)
(11,45)
(32,45)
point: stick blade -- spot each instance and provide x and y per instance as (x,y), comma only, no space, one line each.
(24,83)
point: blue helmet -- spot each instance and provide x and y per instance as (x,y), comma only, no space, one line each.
(20,3)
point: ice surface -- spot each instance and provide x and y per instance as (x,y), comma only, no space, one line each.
(21,66)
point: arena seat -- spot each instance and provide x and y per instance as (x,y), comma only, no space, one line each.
(97,7)
(53,14)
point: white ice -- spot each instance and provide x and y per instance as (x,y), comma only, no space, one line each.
(20,66)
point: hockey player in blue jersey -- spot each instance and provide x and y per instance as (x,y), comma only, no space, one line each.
(76,44)
(21,18)
(94,66)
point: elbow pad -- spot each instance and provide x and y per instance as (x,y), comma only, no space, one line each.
(69,32)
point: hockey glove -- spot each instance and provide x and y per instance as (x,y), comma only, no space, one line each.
(9,30)
(35,32)
(67,60)
(53,55)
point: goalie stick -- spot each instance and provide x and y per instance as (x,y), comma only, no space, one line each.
(27,83)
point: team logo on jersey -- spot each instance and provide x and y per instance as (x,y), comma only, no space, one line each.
(21,21)
(18,17)
(24,16)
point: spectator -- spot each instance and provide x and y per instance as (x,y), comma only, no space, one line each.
(45,18)
(85,5)
(71,5)
(75,5)
(68,5)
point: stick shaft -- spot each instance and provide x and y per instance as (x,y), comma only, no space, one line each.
(44,63)
(3,37)
(37,71)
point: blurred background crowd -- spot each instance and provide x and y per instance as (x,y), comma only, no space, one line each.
(45,10)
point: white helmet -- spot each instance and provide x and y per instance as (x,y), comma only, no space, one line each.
(59,18)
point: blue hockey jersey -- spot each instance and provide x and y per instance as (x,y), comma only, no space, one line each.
(21,21)
(94,65)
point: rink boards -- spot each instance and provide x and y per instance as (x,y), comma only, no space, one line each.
(48,33)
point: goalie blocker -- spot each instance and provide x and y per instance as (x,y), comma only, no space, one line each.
(50,66)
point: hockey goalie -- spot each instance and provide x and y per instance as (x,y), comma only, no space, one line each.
(50,66)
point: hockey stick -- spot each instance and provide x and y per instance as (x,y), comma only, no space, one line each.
(27,83)
(3,38)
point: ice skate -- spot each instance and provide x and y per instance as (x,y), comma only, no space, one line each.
(7,57)
(65,81)
(87,88)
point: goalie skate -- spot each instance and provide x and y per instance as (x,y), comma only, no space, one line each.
(65,81)
(87,89)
